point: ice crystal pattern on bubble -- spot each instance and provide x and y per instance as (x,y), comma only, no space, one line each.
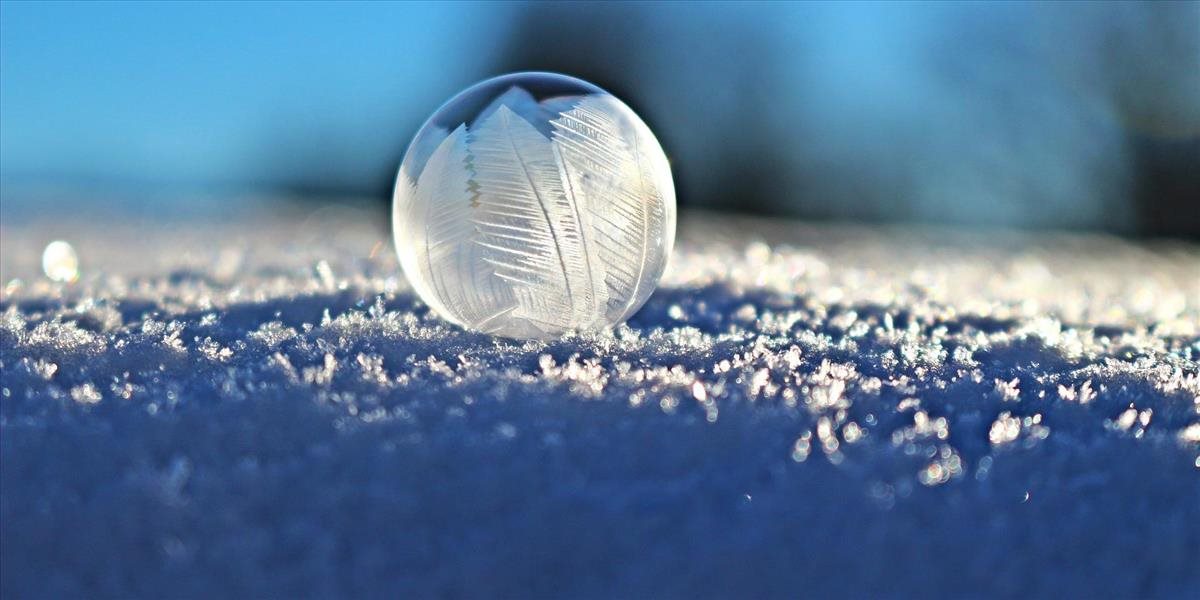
(526,232)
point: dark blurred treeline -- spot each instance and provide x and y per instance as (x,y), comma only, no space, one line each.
(1028,115)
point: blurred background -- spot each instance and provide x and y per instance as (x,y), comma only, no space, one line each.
(1027,115)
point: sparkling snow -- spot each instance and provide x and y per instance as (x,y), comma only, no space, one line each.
(262,408)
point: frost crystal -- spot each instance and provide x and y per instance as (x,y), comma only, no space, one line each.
(534,217)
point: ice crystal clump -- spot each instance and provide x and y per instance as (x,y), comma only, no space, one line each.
(534,204)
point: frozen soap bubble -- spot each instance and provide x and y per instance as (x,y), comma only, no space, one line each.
(533,204)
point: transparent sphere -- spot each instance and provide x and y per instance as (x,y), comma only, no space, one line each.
(533,204)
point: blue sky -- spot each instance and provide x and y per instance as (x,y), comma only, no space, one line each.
(205,92)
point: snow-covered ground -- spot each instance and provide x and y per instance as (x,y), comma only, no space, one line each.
(259,407)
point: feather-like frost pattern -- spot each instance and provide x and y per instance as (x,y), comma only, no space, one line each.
(442,213)
(605,159)
(653,185)
(530,229)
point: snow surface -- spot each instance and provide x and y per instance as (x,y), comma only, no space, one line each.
(259,407)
